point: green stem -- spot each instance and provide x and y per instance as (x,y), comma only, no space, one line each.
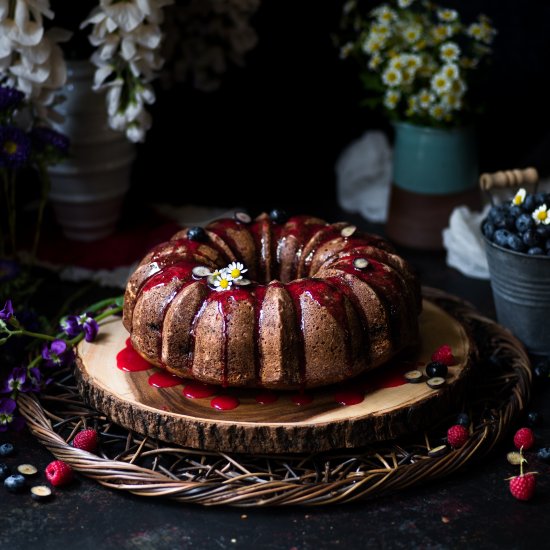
(38,335)
(45,189)
(7,195)
(12,213)
(100,305)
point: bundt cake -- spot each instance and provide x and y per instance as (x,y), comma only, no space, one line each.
(320,303)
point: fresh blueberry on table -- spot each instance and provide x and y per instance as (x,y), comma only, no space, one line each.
(15,483)
(6,449)
(4,471)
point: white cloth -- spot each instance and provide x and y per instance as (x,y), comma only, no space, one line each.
(364,172)
(464,242)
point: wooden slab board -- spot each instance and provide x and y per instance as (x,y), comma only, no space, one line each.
(282,426)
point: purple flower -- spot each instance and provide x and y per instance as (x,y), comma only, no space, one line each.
(8,270)
(57,354)
(70,326)
(10,98)
(15,147)
(34,380)
(7,312)
(47,140)
(15,382)
(7,408)
(89,326)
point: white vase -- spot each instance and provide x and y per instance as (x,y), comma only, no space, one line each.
(88,188)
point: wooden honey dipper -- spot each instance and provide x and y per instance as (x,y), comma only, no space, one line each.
(508,178)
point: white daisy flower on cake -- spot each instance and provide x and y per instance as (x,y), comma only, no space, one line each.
(235,270)
(541,215)
(392,77)
(440,83)
(223,281)
(391,99)
(519,197)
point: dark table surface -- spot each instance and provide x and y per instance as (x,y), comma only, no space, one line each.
(473,508)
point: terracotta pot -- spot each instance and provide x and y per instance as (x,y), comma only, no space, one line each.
(89,187)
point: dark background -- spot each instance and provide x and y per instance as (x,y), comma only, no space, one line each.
(277,126)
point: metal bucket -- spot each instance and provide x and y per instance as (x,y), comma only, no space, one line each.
(521,290)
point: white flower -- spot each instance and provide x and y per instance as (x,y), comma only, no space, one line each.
(447,15)
(375,60)
(373,44)
(346,50)
(519,197)
(404,3)
(398,62)
(438,111)
(440,83)
(425,98)
(453,102)
(451,71)
(385,14)
(475,30)
(541,215)
(235,270)
(391,99)
(407,76)
(449,52)
(392,77)
(127,37)
(223,281)
(412,105)
(441,32)
(412,33)
(414,62)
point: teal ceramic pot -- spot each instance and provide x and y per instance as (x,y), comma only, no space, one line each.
(434,161)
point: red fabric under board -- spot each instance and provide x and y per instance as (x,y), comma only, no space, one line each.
(119,249)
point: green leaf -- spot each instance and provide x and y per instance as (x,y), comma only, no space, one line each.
(119,302)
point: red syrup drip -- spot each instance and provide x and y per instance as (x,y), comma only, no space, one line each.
(349,397)
(164,380)
(224,300)
(224,403)
(295,290)
(301,399)
(392,377)
(129,360)
(330,299)
(384,283)
(258,295)
(196,390)
(266,398)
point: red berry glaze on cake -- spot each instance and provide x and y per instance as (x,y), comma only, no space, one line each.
(323,303)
